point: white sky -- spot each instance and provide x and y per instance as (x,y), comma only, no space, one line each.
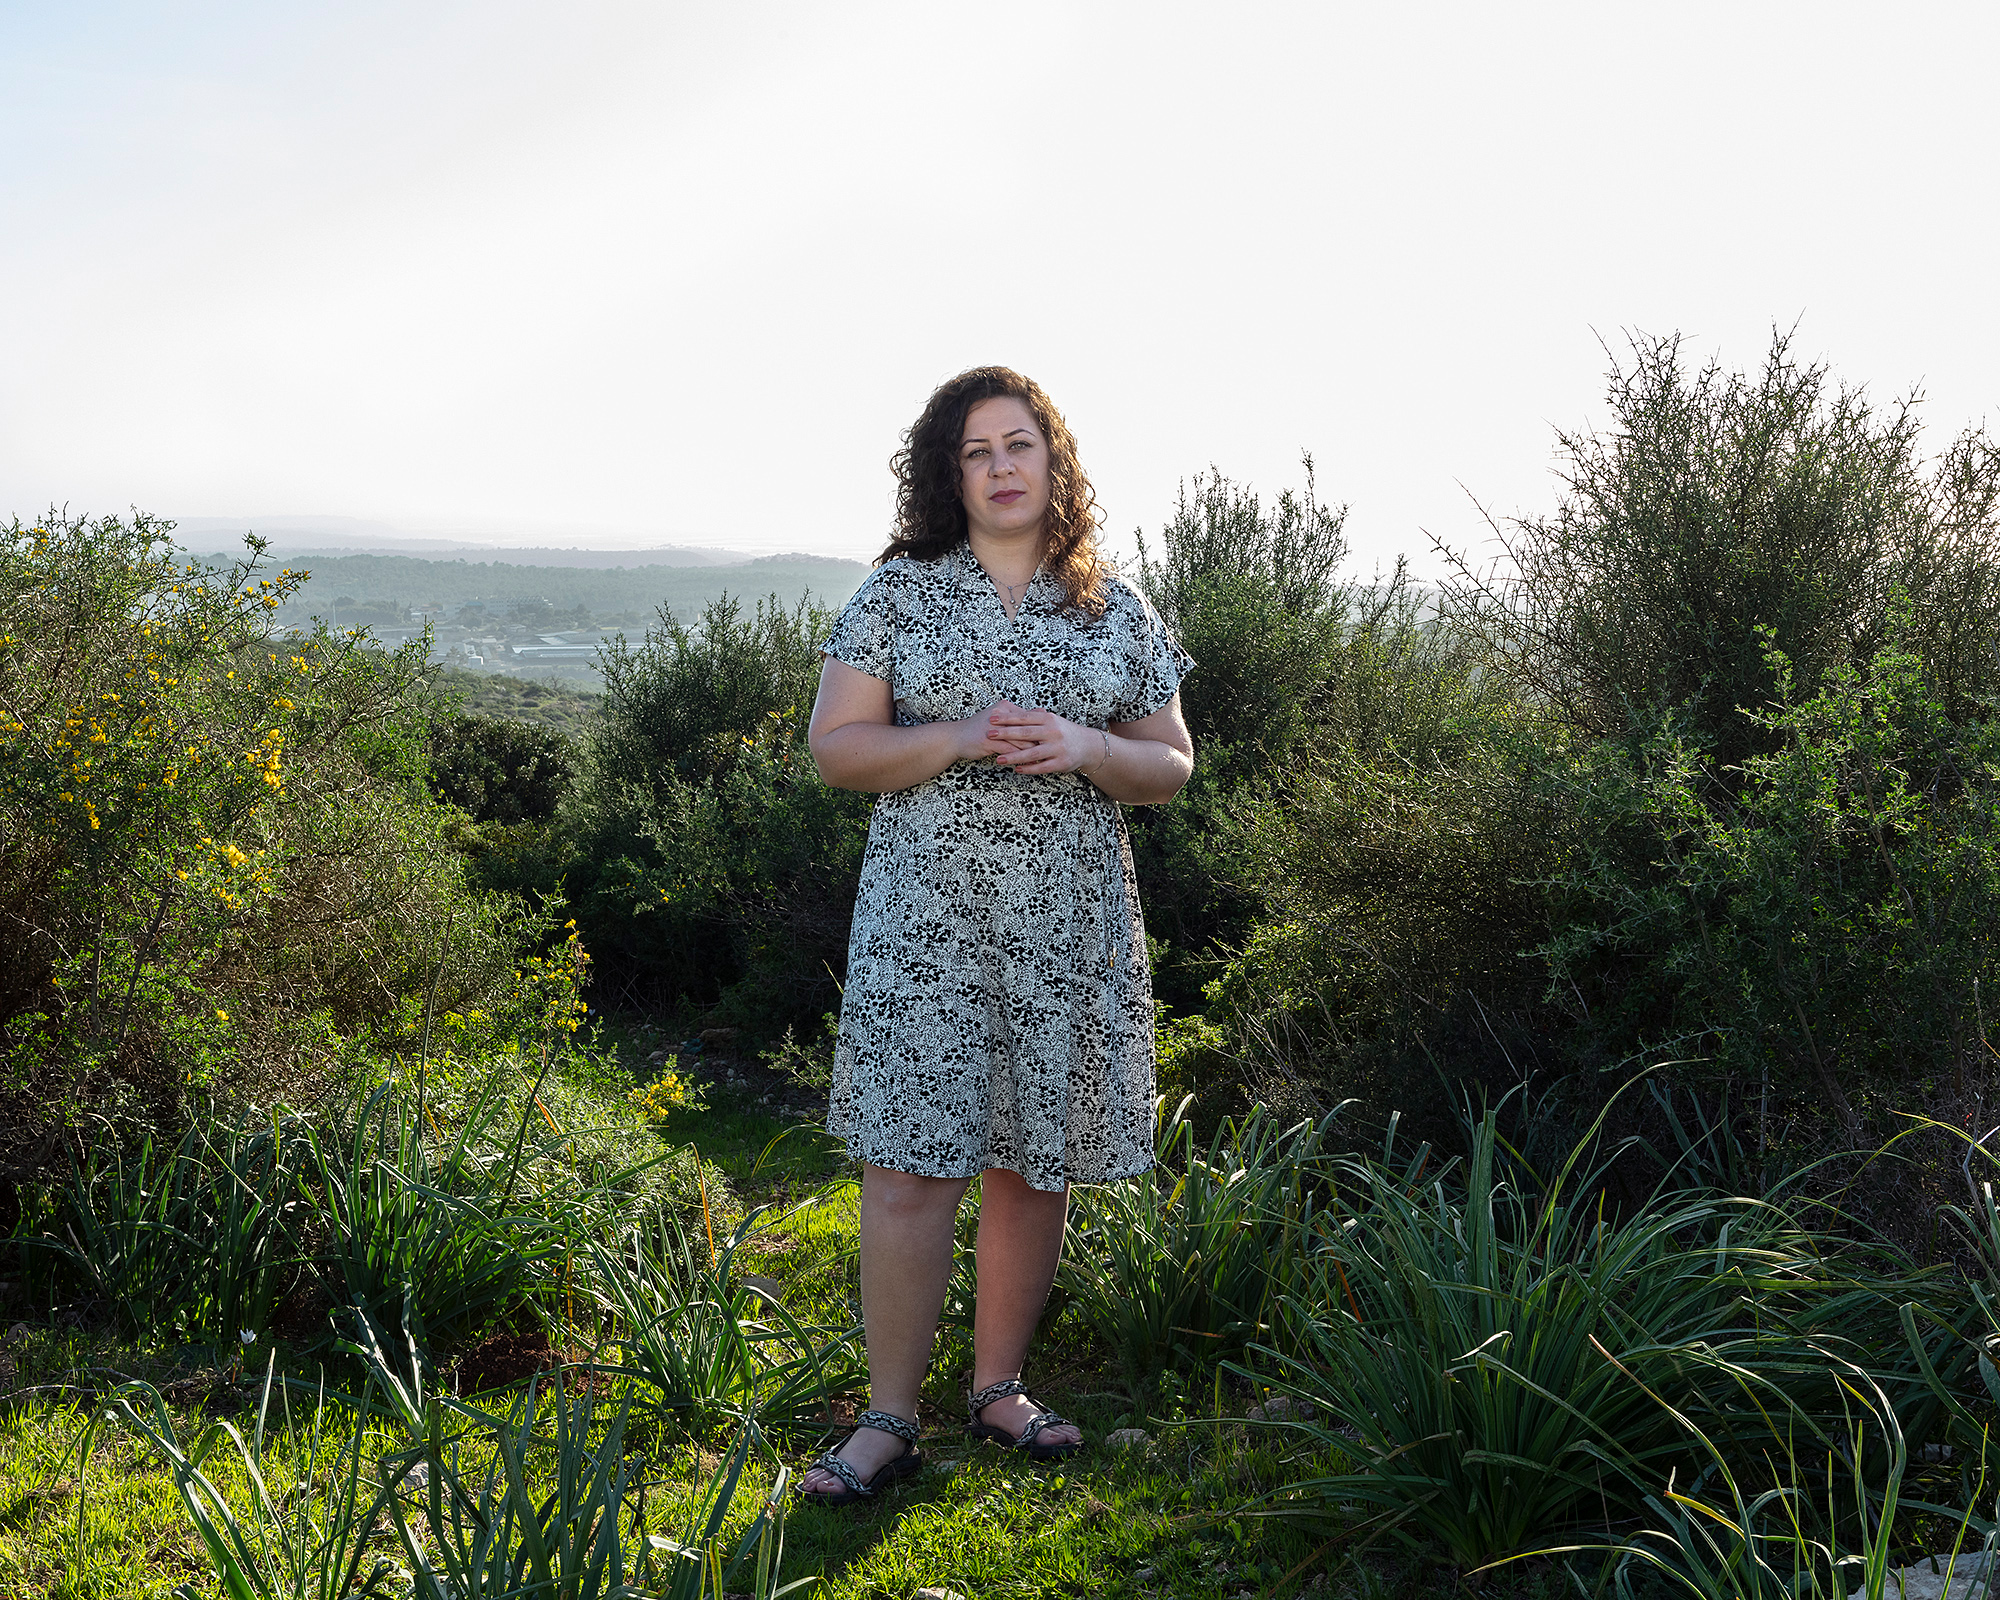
(639,272)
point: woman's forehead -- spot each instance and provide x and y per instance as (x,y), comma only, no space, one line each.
(999,414)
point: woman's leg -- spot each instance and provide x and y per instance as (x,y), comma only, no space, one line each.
(906,1247)
(1020,1241)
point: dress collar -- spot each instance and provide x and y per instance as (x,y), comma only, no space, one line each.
(970,574)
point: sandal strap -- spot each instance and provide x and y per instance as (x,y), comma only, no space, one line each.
(888,1422)
(841,1470)
(1046,1419)
(994,1391)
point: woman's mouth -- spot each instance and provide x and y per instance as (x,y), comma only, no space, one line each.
(1007,497)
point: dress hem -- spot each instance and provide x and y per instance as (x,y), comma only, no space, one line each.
(993,1166)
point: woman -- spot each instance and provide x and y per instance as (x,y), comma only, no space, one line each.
(1002,689)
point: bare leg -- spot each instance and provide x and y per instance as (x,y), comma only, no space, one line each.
(906,1248)
(1020,1241)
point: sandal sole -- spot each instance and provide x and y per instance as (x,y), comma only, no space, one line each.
(1006,1441)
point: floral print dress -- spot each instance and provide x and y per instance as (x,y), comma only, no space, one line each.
(998,1009)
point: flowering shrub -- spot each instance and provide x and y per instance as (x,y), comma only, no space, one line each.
(214,840)
(667,1092)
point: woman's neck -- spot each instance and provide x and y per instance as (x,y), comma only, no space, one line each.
(1009,558)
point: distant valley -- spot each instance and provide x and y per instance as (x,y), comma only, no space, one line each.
(496,615)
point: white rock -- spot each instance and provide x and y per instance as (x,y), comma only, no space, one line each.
(770,1286)
(1971,1579)
(929,1593)
(1125,1438)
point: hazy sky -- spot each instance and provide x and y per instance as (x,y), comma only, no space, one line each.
(679,272)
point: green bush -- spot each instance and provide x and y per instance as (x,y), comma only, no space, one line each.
(216,859)
(1296,668)
(1700,772)
(702,855)
(1399,877)
(1718,504)
(499,769)
(1821,927)
(686,698)
(463,1191)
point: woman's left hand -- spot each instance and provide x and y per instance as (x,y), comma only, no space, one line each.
(1045,743)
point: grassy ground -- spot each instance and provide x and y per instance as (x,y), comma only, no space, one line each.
(1170,1517)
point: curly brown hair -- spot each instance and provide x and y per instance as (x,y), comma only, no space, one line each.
(930,516)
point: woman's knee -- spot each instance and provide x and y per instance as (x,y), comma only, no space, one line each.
(1001,1186)
(910,1194)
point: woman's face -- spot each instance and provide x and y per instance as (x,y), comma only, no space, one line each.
(1003,466)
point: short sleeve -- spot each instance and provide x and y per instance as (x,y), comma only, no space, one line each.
(864,634)
(1160,665)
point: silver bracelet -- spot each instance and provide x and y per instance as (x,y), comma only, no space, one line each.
(1093,772)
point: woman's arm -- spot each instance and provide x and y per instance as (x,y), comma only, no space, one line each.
(855,740)
(1143,763)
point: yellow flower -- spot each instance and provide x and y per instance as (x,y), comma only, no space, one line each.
(222,1016)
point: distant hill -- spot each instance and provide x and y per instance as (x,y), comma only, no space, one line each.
(350,536)
(406,581)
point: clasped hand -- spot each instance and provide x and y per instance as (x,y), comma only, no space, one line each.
(1033,743)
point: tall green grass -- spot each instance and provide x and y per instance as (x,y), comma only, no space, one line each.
(203,1233)
(1493,1352)
(549,1498)
(709,1347)
(1176,1267)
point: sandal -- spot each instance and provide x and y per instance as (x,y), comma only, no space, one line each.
(905,1465)
(1028,1440)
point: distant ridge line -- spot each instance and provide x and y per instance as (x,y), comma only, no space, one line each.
(345,536)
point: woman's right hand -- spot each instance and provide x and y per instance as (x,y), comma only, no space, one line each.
(981,737)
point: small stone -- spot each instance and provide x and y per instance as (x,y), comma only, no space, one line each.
(718,1036)
(1126,1439)
(18,1334)
(1145,1575)
(656,1058)
(1970,1580)
(1281,1408)
(937,1593)
(770,1286)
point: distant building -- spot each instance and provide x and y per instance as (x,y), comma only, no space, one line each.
(559,647)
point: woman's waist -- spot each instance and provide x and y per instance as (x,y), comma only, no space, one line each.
(986,776)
